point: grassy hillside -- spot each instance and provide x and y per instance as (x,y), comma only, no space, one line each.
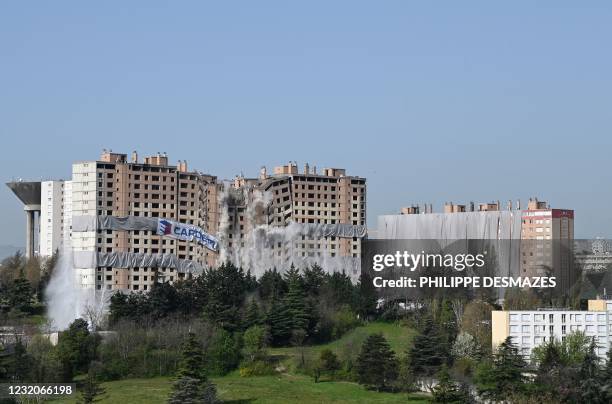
(399,337)
(282,388)
(264,389)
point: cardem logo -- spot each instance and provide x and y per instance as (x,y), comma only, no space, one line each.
(165,227)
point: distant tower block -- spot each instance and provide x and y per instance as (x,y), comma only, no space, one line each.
(29,194)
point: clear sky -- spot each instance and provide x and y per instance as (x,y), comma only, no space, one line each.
(430,101)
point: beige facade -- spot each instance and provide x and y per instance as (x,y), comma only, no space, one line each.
(326,197)
(119,186)
(152,188)
(330,197)
(547,242)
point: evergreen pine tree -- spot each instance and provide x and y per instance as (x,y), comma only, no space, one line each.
(92,391)
(591,389)
(272,285)
(313,280)
(377,366)
(429,351)
(20,296)
(606,377)
(18,363)
(252,315)
(295,301)
(280,323)
(504,377)
(187,390)
(192,359)
(367,296)
(192,385)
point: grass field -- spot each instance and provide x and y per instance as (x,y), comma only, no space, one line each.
(399,337)
(281,388)
(263,389)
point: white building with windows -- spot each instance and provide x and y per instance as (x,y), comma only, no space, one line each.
(531,328)
(55,217)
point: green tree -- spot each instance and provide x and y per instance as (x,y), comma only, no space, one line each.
(377,366)
(20,295)
(591,389)
(223,352)
(429,350)
(192,359)
(295,301)
(192,385)
(18,364)
(92,391)
(606,377)
(448,392)
(187,390)
(254,343)
(252,315)
(272,286)
(314,277)
(328,362)
(367,296)
(76,348)
(279,322)
(504,377)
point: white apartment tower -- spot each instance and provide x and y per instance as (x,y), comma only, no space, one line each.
(55,217)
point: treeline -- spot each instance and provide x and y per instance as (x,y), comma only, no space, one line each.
(234,317)
(312,305)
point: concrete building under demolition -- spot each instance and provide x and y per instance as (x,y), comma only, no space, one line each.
(128,223)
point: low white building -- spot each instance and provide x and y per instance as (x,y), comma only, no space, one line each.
(531,328)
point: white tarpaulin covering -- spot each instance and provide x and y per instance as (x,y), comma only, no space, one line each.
(500,231)
(332,230)
(93,223)
(140,260)
(492,225)
(91,259)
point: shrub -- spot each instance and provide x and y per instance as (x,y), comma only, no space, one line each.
(256,368)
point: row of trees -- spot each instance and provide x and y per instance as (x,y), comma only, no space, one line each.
(310,306)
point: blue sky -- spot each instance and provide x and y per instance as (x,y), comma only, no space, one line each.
(430,102)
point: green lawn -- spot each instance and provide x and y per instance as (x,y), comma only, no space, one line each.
(263,389)
(399,337)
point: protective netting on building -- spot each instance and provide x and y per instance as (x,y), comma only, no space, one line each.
(125,260)
(499,231)
(130,223)
(491,225)
(140,260)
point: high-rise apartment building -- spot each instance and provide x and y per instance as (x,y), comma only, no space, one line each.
(53,223)
(328,197)
(129,223)
(116,187)
(548,242)
(294,203)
